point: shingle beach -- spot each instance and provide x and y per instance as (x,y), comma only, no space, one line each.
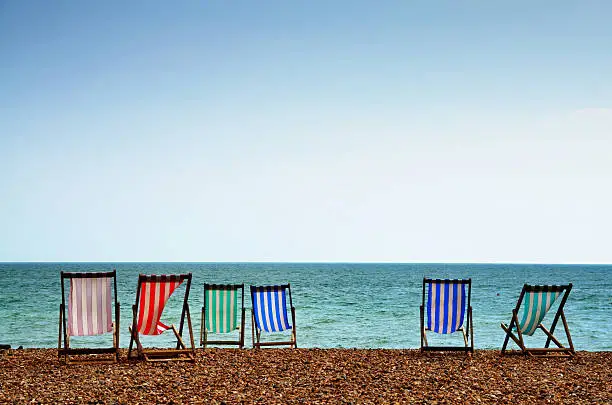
(309,376)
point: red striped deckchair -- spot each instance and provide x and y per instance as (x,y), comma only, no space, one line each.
(88,312)
(536,301)
(152,294)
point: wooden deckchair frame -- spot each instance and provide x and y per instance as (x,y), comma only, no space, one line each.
(256,333)
(63,342)
(204,341)
(181,353)
(546,351)
(467,332)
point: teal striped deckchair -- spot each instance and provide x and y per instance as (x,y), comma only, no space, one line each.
(269,314)
(447,307)
(537,301)
(220,313)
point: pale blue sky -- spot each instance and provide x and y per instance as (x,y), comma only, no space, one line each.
(402,131)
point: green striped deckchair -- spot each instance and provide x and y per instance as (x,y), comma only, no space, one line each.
(536,301)
(220,313)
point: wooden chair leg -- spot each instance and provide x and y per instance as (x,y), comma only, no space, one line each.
(422,327)
(133,333)
(190,330)
(567,333)
(507,337)
(202,329)
(294,331)
(178,337)
(519,333)
(253,329)
(59,337)
(471,330)
(510,335)
(135,338)
(242,323)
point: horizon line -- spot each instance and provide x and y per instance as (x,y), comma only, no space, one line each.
(312,262)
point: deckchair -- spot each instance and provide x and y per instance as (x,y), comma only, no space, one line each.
(538,299)
(220,313)
(446,306)
(269,314)
(89,312)
(151,296)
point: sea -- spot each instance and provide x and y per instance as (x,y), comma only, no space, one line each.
(338,305)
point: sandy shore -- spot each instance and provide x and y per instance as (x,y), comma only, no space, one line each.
(309,376)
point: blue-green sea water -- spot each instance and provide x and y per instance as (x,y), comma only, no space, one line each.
(337,305)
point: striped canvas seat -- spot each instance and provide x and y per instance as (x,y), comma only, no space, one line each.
(270,312)
(221,316)
(447,307)
(220,313)
(270,308)
(535,307)
(534,302)
(152,294)
(88,311)
(89,306)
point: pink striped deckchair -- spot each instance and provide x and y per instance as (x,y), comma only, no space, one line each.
(152,294)
(89,312)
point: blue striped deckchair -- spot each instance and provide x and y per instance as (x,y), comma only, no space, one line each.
(220,313)
(446,307)
(269,314)
(537,301)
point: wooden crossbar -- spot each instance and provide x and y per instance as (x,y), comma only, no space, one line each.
(74,350)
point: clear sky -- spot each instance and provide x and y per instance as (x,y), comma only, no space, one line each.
(378,131)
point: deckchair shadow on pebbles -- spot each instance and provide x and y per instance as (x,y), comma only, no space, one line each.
(88,312)
(151,296)
(536,301)
(220,314)
(446,308)
(269,314)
